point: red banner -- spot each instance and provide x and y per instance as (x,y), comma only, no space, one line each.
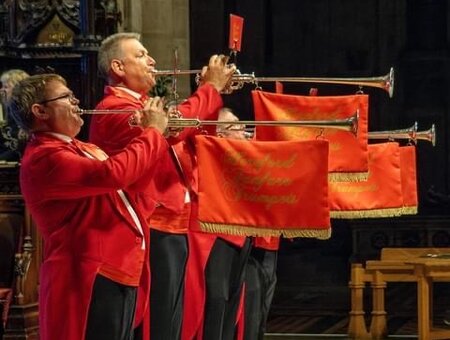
(379,196)
(348,153)
(263,188)
(409,179)
(236,27)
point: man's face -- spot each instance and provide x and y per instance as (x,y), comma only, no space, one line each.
(6,90)
(137,66)
(62,108)
(235,131)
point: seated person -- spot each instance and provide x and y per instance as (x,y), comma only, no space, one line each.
(12,139)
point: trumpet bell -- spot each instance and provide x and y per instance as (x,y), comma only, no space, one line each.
(389,83)
(428,135)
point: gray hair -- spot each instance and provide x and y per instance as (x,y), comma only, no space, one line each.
(13,76)
(111,49)
(27,92)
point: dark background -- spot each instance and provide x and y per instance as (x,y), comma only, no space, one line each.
(347,38)
(304,38)
(307,38)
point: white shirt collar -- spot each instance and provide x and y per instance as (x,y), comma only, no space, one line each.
(133,93)
(60,136)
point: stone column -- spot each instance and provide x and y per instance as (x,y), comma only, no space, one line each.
(131,15)
(164,26)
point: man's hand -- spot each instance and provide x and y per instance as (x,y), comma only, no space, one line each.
(218,73)
(153,115)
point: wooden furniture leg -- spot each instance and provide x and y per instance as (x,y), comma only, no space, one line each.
(423,306)
(378,328)
(357,325)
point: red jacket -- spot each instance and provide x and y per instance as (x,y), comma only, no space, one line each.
(85,225)
(112,133)
(200,246)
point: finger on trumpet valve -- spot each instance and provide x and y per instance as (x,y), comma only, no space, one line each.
(225,59)
(174,115)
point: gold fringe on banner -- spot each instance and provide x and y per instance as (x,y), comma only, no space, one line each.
(240,230)
(375,213)
(348,176)
(409,210)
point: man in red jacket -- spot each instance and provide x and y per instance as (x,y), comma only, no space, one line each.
(217,262)
(128,69)
(260,282)
(90,211)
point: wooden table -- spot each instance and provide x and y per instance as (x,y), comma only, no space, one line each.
(427,270)
(395,265)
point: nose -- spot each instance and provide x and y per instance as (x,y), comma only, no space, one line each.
(151,61)
(74,100)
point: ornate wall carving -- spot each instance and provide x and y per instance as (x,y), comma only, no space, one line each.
(62,36)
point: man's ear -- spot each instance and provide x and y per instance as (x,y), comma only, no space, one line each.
(39,112)
(117,67)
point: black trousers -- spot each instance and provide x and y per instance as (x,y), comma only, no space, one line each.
(111,312)
(168,257)
(224,274)
(260,282)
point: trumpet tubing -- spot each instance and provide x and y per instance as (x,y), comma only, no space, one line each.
(408,133)
(175,72)
(347,124)
(238,80)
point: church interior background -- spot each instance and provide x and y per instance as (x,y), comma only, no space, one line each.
(312,38)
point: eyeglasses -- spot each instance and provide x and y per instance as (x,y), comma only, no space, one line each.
(70,96)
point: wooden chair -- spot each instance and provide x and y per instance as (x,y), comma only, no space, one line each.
(11,240)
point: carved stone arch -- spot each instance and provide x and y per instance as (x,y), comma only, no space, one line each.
(29,15)
(55,32)
(69,11)
(32,17)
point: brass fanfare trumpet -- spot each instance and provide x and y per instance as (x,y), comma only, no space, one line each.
(238,80)
(347,124)
(410,133)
